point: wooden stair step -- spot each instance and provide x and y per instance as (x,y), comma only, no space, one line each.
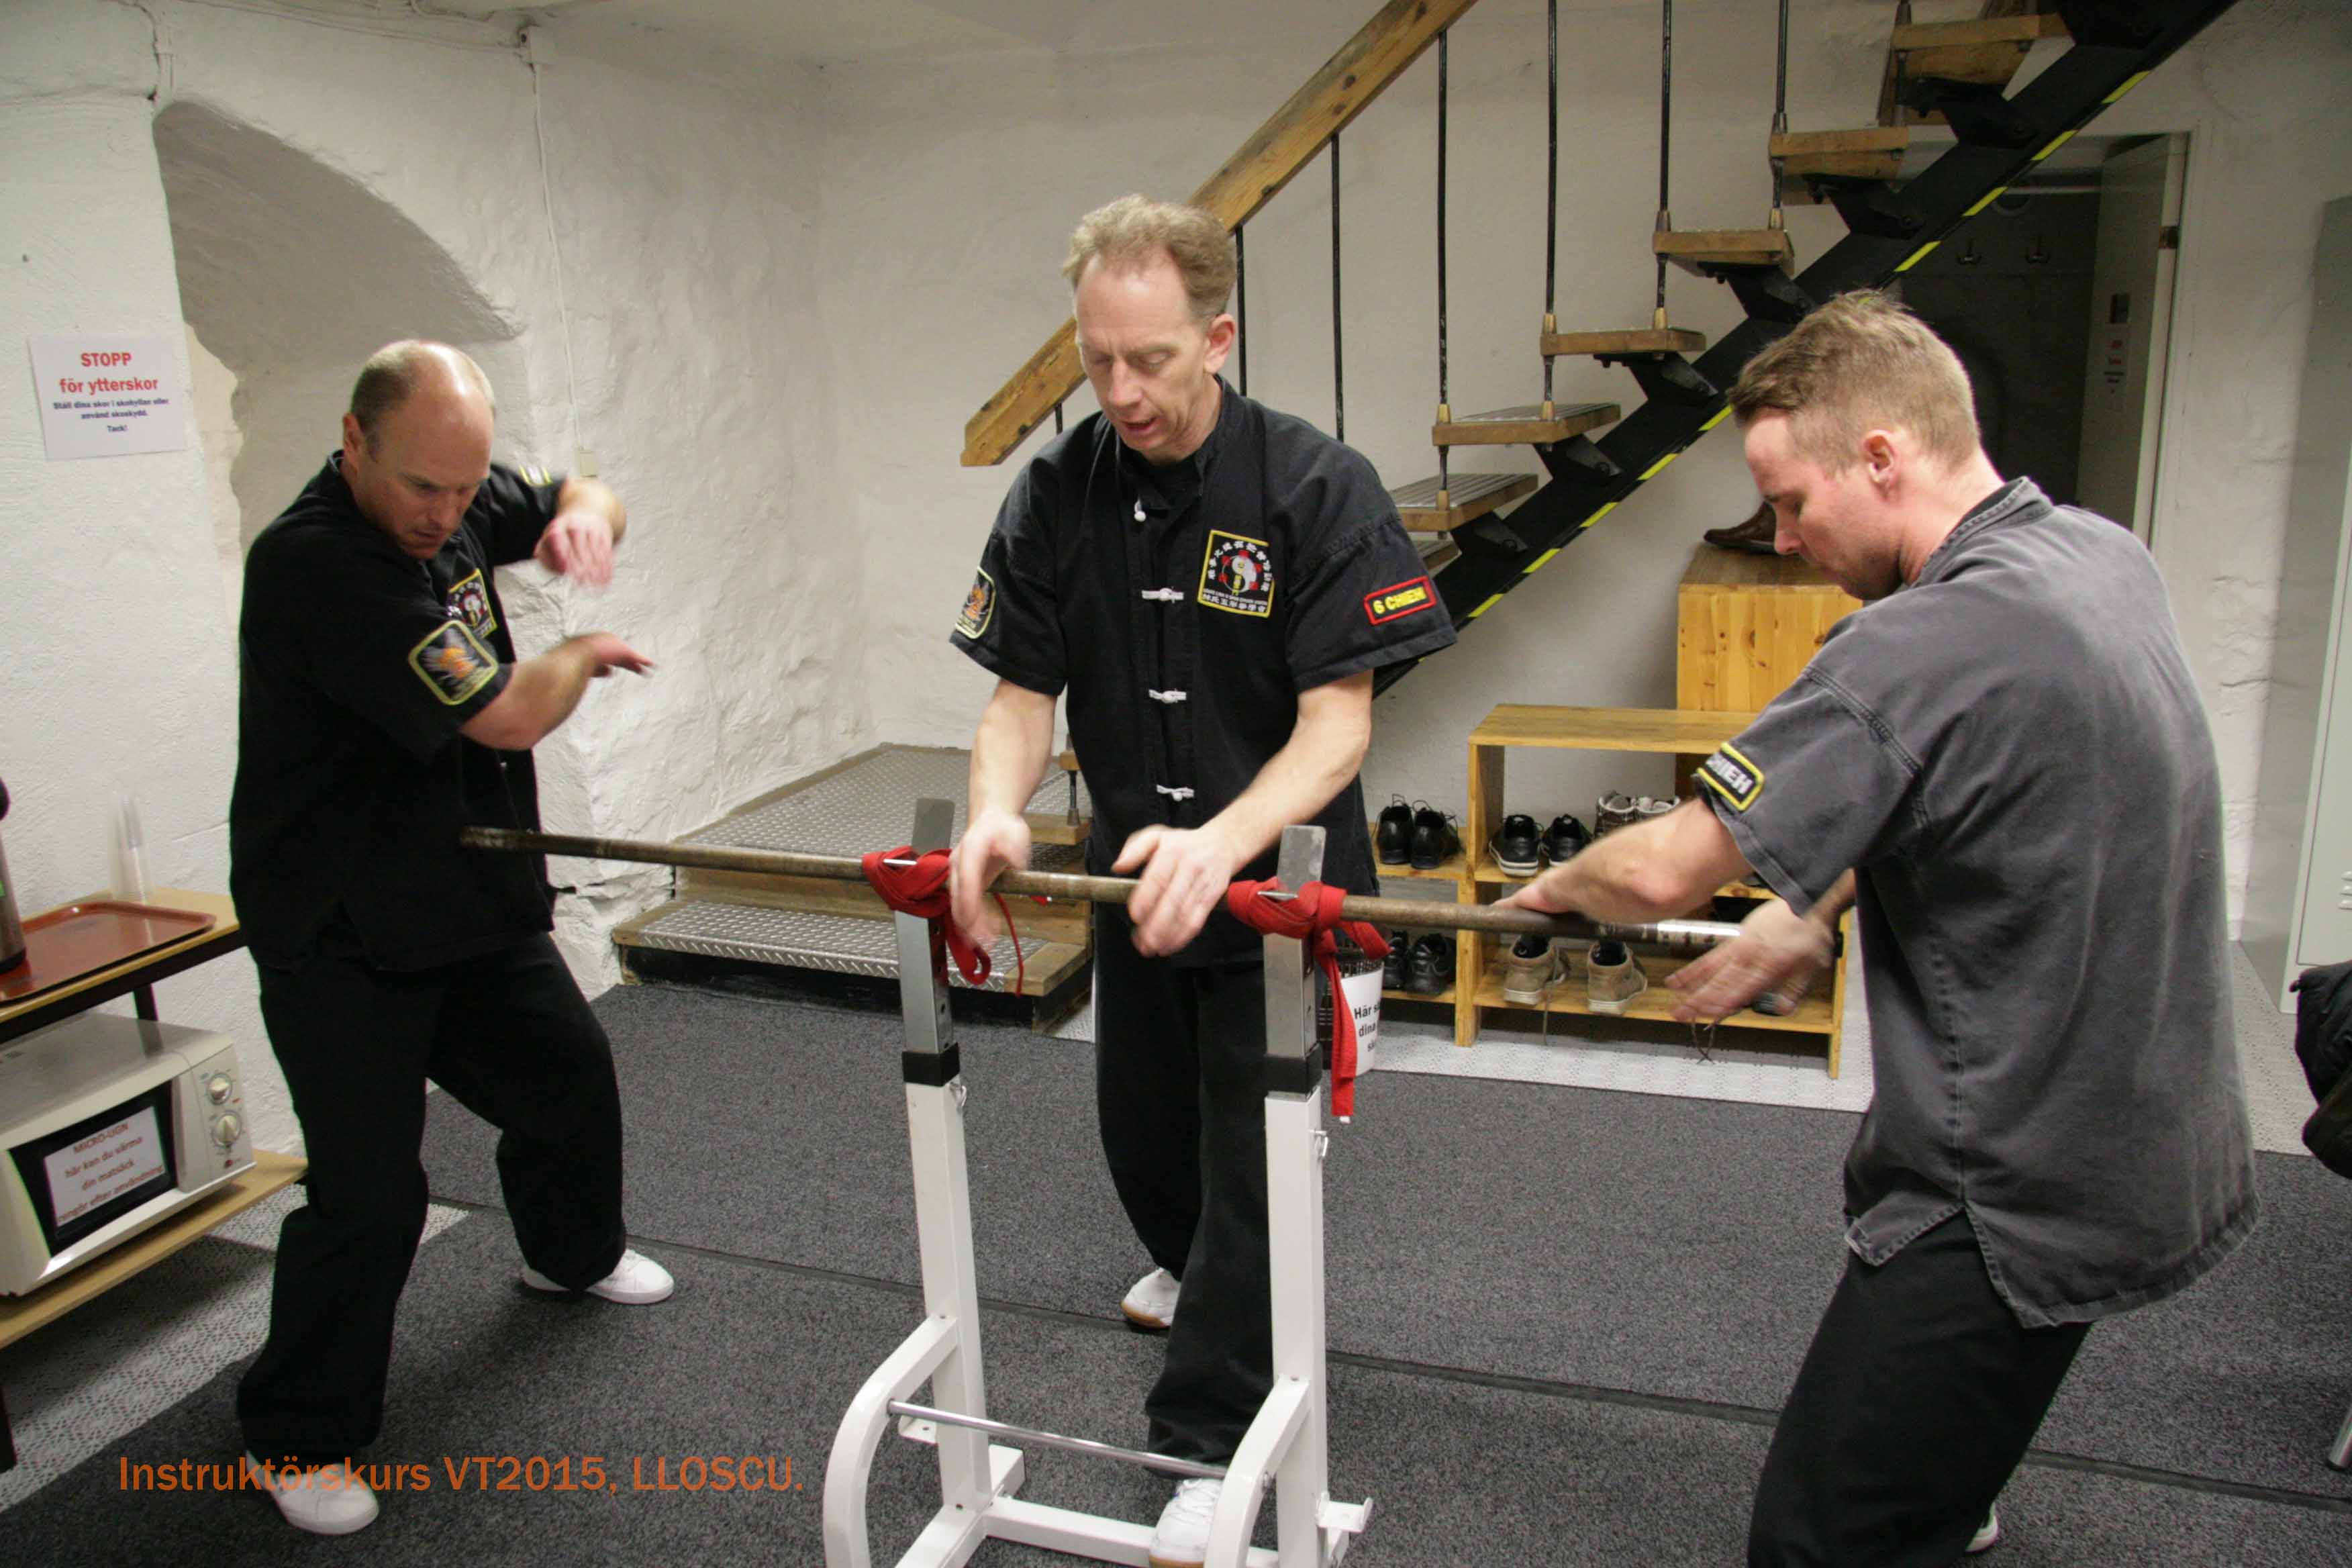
(1437,553)
(1059,827)
(1696,249)
(1468,497)
(1634,340)
(1986,50)
(1875,153)
(1524,425)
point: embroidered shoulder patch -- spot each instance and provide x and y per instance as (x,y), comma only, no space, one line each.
(1237,575)
(1732,777)
(468,599)
(1399,600)
(453,662)
(978,605)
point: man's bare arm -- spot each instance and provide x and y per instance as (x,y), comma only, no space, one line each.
(1185,871)
(1008,756)
(542,691)
(579,541)
(1651,871)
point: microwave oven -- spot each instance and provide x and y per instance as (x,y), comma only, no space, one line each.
(106,1126)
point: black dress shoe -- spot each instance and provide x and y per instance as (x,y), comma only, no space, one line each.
(1434,838)
(1394,843)
(1430,969)
(1394,968)
(1515,846)
(1564,838)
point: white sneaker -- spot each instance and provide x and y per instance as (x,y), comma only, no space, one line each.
(1181,1540)
(328,1500)
(1152,1303)
(636,1282)
(1988,1535)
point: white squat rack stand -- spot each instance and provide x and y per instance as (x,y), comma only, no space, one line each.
(1286,1446)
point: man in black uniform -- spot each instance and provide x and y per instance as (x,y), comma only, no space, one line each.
(382,708)
(1216,584)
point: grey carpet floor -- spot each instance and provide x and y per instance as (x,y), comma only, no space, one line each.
(1673,1248)
(759,1360)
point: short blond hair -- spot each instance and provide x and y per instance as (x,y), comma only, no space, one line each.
(1129,231)
(1858,362)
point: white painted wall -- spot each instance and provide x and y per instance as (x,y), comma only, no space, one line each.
(113,633)
(2261,95)
(768,297)
(973,171)
(330,186)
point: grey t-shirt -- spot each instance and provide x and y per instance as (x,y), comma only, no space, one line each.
(2011,754)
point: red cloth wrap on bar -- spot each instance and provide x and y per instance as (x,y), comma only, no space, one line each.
(1313,917)
(921,889)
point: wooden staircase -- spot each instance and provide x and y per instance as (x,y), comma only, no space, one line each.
(1959,74)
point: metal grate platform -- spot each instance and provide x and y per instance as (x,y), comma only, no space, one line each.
(868,805)
(840,944)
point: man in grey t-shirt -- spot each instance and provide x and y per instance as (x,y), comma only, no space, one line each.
(2001,762)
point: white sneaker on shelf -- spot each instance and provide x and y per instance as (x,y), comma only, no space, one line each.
(1988,1535)
(636,1282)
(1152,1303)
(325,1500)
(1181,1540)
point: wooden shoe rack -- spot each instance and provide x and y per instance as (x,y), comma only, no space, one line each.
(1479,959)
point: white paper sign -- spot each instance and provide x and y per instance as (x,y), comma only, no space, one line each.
(105,397)
(103,1166)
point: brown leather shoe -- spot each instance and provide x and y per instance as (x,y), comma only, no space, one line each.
(1754,536)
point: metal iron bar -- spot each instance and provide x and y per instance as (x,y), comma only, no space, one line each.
(1416,914)
(1781,81)
(1338,373)
(1442,397)
(1241,300)
(1780,110)
(1087,1446)
(1665,219)
(1551,181)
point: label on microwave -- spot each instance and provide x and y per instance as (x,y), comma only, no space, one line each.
(116,1159)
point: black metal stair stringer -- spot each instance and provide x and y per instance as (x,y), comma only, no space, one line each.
(2092,73)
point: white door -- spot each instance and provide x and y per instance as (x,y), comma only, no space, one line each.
(2131,322)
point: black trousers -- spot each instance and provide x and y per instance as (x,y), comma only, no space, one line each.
(1916,1400)
(1179,1086)
(509,1036)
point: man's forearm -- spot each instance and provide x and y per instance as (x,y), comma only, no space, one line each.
(1326,750)
(539,695)
(596,496)
(1008,751)
(1651,871)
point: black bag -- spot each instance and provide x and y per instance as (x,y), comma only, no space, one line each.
(2323,1043)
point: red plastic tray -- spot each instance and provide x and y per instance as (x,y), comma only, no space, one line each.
(62,946)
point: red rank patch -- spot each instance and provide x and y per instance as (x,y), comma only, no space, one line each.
(1399,600)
